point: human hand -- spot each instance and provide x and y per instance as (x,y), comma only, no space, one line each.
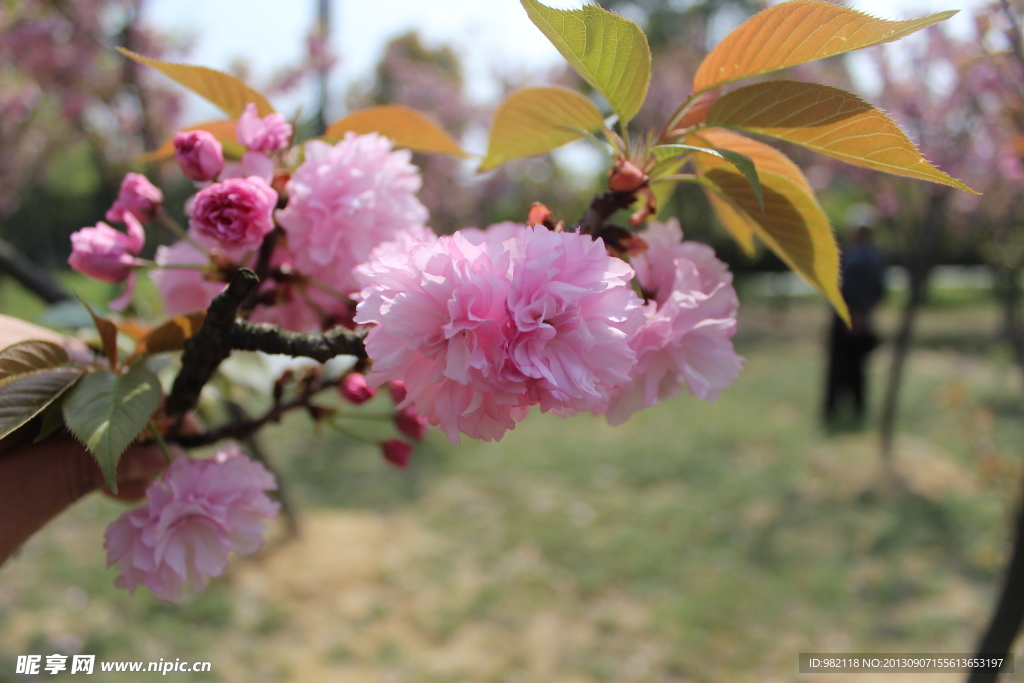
(39,481)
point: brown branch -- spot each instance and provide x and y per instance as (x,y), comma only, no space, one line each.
(211,345)
(602,208)
(339,341)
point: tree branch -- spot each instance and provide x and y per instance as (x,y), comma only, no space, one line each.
(602,208)
(339,341)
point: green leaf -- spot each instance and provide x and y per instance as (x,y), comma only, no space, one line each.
(106,412)
(797,32)
(828,120)
(52,420)
(741,161)
(406,127)
(607,50)
(217,87)
(537,120)
(24,396)
(30,355)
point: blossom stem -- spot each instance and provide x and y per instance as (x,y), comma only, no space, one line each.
(161,444)
(351,434)
(180,232)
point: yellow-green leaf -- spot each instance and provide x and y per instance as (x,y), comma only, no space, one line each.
(793,225)
(407,127)
(223,130)
(607,50)
(170,335)
(537,120)
(797,32)
(741,161)
(827,120)
(221,89)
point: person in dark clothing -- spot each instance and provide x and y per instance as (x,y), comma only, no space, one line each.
(849,347)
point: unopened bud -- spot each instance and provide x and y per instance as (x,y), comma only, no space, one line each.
(397,452)
(411,423)
(625,177)
(355,390)
(397,389)
(539,215)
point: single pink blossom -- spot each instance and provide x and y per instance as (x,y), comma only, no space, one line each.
(196,513)
(106,254)
(572,314)
(138,197)
(689,323)
(183,289)
(397,452)
(439,326)
(346,199)
(355,390)
(200,155)
(411,423)
(268,134)
(235,214)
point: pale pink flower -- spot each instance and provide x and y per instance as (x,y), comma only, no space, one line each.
(572,314)
(440,328)
(183,289)
(137,197)
(268,134)
(200,155)
(690,322)
(235,214)
(106,254)
(196,513)
(498,232)
(343,201)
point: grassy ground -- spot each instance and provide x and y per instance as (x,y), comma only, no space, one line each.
(698,542)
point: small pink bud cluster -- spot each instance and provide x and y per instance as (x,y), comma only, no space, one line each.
(199,154)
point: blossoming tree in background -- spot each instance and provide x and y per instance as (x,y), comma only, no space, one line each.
(323,249)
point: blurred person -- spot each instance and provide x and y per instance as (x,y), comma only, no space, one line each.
(863,287)
(39,481)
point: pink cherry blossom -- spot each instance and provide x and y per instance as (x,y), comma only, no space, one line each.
(183,289)
(266,135)
(439,326)
(690,321)
(498,232)
(572,314)
(234,214)
(196,513)
(106,254)
(137,197)
(346,199)
(200,155)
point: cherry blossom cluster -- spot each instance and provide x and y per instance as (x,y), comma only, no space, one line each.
(467,332)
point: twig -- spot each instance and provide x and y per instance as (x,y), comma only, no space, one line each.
(339,341)
(602,208)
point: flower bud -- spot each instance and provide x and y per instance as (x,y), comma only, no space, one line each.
(138,197)
(354,389)
(397,452)
(200,155)
(539,215)
(268,134)
(106,254)
(625,177)
(412,424)
(234,214)
(397,389)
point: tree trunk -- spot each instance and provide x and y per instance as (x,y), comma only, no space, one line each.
(1006,622)
(920,261)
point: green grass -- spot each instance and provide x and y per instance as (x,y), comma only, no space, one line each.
(698,542)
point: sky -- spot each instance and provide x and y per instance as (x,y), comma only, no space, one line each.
(491,36)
